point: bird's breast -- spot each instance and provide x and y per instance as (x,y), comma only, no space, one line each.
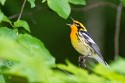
(80,44)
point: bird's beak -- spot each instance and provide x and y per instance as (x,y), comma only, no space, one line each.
(69,24)
(72,20)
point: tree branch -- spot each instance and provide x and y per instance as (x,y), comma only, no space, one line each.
(21,10)
(117,30)
(95,5)
(89,7)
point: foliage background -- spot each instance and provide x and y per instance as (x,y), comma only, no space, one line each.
(51,29)
(46,24)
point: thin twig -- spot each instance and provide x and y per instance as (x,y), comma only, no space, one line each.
(95,5)
(13,16)
(117,30)
(89,7)
(39,8)
(21,10)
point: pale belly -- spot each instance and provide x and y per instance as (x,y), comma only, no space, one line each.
(82,48)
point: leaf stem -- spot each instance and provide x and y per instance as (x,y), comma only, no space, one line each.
(22,8)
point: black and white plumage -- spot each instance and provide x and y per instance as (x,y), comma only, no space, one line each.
(94,46)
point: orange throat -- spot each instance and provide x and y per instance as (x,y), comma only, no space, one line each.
(73,34)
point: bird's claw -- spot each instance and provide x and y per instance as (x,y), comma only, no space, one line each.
(82,60)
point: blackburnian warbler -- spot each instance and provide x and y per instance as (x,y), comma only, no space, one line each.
(83,43)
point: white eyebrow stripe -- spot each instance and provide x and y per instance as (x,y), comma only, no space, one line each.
(89,38)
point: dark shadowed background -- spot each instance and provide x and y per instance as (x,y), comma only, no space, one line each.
(51,29)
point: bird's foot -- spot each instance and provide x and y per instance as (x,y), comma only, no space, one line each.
(81,61)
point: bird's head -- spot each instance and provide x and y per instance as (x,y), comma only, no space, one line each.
(77,25)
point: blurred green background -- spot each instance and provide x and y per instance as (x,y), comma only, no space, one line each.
(51,29)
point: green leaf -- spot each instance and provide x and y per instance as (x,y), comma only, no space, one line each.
(32,2)
(6,33)
(80,74)
(123,1)
(2,2)
(81,2)
(43,1)
(6,19)
(36,47)
(119,66)
(22,23)
(61,7)
(109,74)
(3,17)
(2,80)
(38,60)
(28,55)
(8,39)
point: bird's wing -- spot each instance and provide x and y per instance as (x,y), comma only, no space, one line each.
(91,43)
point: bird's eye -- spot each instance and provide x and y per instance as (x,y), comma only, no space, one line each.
(77,25)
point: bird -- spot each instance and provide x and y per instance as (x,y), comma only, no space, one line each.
(84,44)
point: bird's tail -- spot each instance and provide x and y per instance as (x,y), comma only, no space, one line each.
(100,60)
